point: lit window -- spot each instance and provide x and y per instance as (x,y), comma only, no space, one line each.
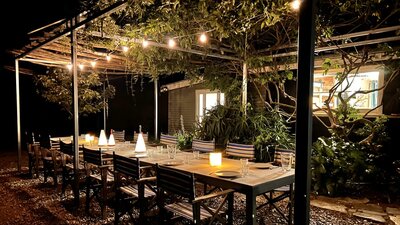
(206,100)
(363,81)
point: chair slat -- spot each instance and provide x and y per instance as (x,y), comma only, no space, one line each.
(167,139)
(240,150)
(203,146)
(175,181)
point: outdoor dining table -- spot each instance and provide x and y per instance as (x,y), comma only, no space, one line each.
(256,182)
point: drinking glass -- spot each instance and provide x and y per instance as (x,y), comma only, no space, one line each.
(186,158)
(171,151)
(196,154)
(244,167)
(286,159)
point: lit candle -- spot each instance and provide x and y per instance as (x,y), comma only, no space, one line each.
(215,158)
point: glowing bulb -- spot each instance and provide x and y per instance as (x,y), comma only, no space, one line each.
(145,43)
(125,49)
(171,43)
(93,63)
(81,66)
(108,57)
(295,4)
(203,38)
(69,66)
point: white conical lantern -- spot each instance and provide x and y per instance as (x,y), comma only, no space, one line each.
(111,140)
(140,146)
(102,138)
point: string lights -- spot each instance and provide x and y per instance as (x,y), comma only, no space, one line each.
(171,43)
(295,5)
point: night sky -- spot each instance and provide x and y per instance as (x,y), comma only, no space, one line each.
(21,17)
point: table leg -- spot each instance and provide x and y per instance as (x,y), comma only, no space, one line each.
(251,209)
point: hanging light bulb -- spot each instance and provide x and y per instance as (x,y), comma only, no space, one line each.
(171,43)
(81,66)
(295,5)
(203,38)
(69,66)
(93,63)
(125,48)
(108,57)
(145,43)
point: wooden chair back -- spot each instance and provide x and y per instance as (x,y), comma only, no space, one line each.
(203,146)
(240,150)
(277,155)
(127,166)
(119,135)
(176,182)
(166,139)
(94,157)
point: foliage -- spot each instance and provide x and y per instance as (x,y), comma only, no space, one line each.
(337,163)
(262,129)
(184,137)
(56,87)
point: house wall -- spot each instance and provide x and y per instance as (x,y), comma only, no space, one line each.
(182,101)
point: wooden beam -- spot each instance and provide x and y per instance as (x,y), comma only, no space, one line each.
(104,12)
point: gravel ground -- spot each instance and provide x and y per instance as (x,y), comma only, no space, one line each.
(31,201)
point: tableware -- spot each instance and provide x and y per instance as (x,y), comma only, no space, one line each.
(286,160)
(262,165)
(244,166)
(227,173)
(196,154)
(171,151)
(172,163)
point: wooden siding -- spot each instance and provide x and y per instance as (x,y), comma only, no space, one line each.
(182,101)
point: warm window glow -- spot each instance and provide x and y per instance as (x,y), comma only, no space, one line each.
(206,100)
(360,82)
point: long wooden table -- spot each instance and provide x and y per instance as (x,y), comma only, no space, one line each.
(258,181)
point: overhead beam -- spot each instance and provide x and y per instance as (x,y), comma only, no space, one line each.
(97,15)
(156,44)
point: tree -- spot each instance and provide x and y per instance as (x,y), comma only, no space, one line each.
(56,87)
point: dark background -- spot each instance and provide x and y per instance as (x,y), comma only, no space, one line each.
(127,110)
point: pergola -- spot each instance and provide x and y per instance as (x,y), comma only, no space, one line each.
(53,50)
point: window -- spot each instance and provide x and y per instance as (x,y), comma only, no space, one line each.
(362,81)
(206,99)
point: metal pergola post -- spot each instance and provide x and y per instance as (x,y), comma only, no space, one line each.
(18,113)
(156,109)
(304,111)
(244,87)
(75,93)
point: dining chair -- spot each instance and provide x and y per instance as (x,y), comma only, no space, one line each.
(99,178)
(167,139)
(176,194)
(71,177)
(33,157)
(281,193)
(132,190)
(203,146)
(237,150)
(119,135)
(51,159)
